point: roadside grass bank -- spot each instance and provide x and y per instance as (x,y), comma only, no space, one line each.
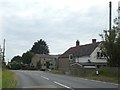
(8,79)
(0,78)
(56,72)
(104,75)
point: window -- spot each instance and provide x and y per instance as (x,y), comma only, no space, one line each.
(100,55)
(70,57)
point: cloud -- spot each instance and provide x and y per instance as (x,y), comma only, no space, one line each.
(59,22)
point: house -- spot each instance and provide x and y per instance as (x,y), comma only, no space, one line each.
(44,61)
(84,56)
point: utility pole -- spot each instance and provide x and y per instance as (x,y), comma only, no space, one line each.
(119,16)
(110,14)
(4,51)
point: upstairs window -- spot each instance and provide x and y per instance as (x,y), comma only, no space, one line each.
(70,57)
(100,55)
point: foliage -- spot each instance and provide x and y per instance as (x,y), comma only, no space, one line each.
(40,47)
(16,59)
(15,65)
(111,46)
(8,79)
(26,57)
(48,64)
(0,78)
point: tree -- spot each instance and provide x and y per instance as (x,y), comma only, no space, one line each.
(40,47)
(16,59)
(26,57)
(111,46)
(15,63)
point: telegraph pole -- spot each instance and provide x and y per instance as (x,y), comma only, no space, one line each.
(110,15)
(119,16)
(4,51)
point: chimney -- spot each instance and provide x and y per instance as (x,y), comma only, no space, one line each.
(77,43)
(93,41)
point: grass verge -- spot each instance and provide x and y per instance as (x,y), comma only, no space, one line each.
(56,72)
(104,75)
(8,79)
(0,78)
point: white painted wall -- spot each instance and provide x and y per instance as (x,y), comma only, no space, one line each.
(93,56)
(82,59)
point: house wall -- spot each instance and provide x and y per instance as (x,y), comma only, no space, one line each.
(34,61)
(82,59)
(43,61)
(93,56)
(64,64)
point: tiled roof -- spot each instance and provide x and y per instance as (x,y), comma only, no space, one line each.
(79,51)
(46,56)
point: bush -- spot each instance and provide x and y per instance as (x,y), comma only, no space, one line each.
(15,66)
(108,71)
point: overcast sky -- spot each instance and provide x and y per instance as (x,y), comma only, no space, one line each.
(59,22)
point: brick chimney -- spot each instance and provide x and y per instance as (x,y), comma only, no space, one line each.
(77,43)
(93,41)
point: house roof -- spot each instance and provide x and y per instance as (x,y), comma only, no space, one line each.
(79,51)
(46,56)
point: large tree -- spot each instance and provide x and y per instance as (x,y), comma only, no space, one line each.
(16,59)
(40,47)
(26,57)
(16,63)
(111,46)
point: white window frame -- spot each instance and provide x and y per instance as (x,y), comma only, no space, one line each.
(70,55)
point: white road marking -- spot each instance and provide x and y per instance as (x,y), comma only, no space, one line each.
(62,85)
(45,77)
(100,81)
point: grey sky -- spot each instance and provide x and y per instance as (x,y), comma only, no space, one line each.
(59,22)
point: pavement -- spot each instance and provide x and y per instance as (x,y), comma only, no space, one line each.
(41,79)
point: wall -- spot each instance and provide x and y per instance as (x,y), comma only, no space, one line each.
(93,56)
(82,59)
(34,61)
(64,64)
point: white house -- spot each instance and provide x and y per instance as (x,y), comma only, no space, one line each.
(88,55)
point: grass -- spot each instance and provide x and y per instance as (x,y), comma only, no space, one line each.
(104,75)
(56,72)
(0,78)
(8,79)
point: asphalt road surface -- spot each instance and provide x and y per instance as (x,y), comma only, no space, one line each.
(40,79)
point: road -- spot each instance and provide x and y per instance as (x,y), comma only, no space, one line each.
(40,79)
